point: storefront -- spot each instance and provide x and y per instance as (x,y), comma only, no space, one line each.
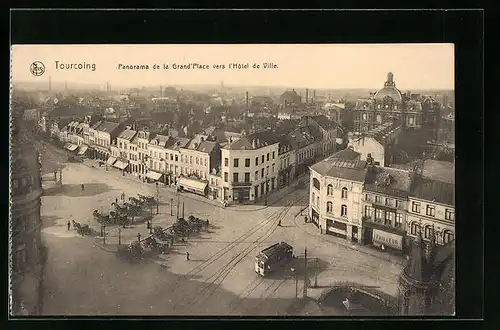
(121,165)
(71,147)
(336,228)
(241,194)
(82,150)
(387,239)
(315,217)
(193,185)
(111,161)
(153,176)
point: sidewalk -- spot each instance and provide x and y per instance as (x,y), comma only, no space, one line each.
(311,230)
(273,198)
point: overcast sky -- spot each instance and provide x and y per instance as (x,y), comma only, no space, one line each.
(321,66)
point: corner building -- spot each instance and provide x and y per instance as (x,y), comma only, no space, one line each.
(336,195)
(250,167)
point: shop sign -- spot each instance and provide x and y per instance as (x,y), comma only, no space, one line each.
(388,239)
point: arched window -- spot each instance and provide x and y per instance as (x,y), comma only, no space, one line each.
(329,207)
(343,210)
(414,228)
(447,236)
(329,190)
(316,183)
(428,231)
(344,192)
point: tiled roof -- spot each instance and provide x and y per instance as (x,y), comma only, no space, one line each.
(264,138)
(196,141)
(353,170)
(178,142)
(324,122)
(434,190)
(388,181)
(127,134)
(286,143)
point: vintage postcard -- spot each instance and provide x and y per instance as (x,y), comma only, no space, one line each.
(273,179)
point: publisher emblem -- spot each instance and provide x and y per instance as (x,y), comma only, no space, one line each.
(37,68)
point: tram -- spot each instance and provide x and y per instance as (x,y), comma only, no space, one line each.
(273,257)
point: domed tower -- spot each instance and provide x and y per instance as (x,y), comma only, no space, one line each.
(27,254)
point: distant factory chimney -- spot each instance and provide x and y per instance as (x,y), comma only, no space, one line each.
(246,98)
(307,95)
(50,83)
(314,94)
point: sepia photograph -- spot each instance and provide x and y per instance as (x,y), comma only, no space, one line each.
(232,180)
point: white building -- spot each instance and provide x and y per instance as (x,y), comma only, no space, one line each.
(336,193)
(250,167)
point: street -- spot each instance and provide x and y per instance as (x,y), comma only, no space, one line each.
(85,277)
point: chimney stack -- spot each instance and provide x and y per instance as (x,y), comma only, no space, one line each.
(307,95)
(50,83)
(246,98)
(314,94)
(254,143)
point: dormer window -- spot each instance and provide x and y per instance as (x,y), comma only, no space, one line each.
(387,106)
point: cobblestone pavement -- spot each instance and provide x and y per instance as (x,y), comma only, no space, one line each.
(219,278)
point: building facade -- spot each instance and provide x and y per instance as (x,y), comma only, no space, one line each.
(410,111)
(27,251)
(249,167)
(385,203)
(336,195)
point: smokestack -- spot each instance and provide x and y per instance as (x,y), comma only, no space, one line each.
(246,97)
(314,94)
(50,83)
(307,95)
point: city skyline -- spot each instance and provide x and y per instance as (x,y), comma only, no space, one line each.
(317,66)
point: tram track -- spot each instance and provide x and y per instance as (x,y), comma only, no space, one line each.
(219,276)
(214,281)
(242,239)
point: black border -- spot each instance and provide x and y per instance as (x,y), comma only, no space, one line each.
(463,28)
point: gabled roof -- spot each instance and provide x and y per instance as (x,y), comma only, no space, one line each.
(177,143)
(195,141)
(324,122)
(305,135)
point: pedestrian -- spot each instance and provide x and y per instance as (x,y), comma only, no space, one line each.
(123,196)
(116,200)
(171,240)
(149,225)
(208,223)
(69,224)
(305,219)
(187,255)
(83,187)
(321,229)
(139,237)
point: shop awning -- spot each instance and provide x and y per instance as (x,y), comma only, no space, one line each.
(72,147)
(111,160)
(121,165)
(192,184)
(82,150)
(153,175)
